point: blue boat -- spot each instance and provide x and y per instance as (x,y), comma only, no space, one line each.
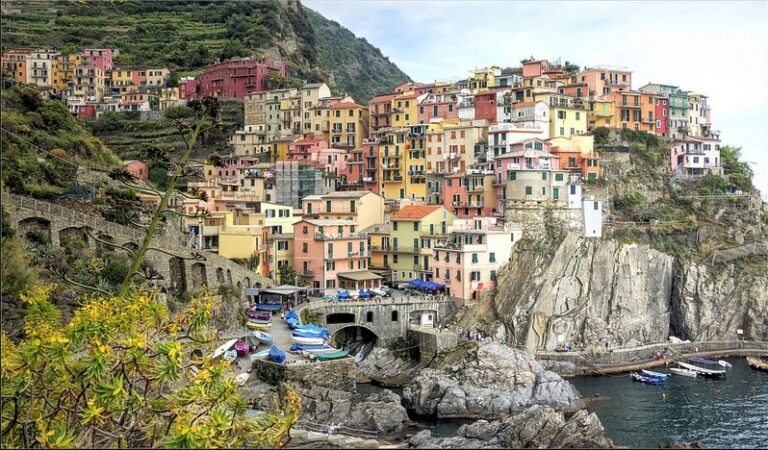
(647,380)
(292,323)
(263,337)
(652,374)
(291,315)
(307,347)
(311,328)
(276,355)
(269,306)
(310,333)
(343,295)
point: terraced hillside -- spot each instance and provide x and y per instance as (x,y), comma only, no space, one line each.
(188,35)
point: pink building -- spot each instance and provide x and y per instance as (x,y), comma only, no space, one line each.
(99,57)
(529,172)
(138,169)
(306,149)
(444,106)
(662,116)
(468,261)
(362,168)
(187,88)
(696,157)
(470,194)
(237,77)
(233,165)
(535,68)
(332,255)
(485,106)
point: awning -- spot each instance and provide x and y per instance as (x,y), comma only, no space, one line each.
(360,275)
(285,289)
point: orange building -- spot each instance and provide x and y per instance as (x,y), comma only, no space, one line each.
(634,110)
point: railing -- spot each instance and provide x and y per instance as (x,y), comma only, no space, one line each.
(305,273)
(341,236)
(381,248)
(401,249)
(393,179)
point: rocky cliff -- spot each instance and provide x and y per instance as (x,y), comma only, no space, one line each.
(488,382)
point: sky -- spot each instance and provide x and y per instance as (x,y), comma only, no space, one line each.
(719,49)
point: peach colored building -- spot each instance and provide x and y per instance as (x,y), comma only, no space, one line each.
(604,80)
(634,110)
(470,194)
(138,169)
(445,106)
(306,148)
(365,208)
(467,261)
(535,68)
(332,254)
(362,168)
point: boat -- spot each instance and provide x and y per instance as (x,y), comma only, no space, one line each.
(331,355)
(758,362)
(308,340)
(647,380)
(292,323)
(223,348)
(264,338)
(258,326)
(230,355)
(242,348)
(258,314)
(312,329)
(652,374)
(269,306)
(259,355)
(276,355)
(310,334)
(716,369)
(261,321)
(311,348)
(683,372)
(253,343)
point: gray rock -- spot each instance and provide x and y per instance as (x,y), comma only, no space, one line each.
(492,382)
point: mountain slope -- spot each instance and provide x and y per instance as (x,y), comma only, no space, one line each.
(188,35)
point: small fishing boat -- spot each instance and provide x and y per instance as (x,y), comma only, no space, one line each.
(261,321)
(269,306)
(707,367)
(758,363)
(264,338)
(310,334)
(296,348)
(258,314)
(683,372)
(312,329)
(293,323)
(223,348)
(258,326)
(647,380)
(242,348)
(308,340)
(331,355)
(652,374)
(259,355)
(276,355)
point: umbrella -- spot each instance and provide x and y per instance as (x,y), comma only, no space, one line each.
(364,294)
(416,282)
(343,295)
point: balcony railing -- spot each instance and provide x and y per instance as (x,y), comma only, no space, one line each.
(395,179)
(340,236)
(347,255)
(451,155)
(401,249)
(381,248)
(305,273)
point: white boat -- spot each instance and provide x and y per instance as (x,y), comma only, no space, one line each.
(683,372)
(308,340)
(715,369)
(223,348)
(259,355)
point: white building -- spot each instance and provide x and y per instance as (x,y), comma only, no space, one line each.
(593,218)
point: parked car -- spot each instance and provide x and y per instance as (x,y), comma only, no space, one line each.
(387,291)
(382,291)
(403,286)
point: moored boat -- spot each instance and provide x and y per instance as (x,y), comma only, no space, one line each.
(259,326)
(647,380)
(259,355)
(706,367)
(269,306)
(308,340)
(758,363)
(683,372)
(652,374)
(264,338)
(276,355)
(261,315)
(331,355)
(242,348)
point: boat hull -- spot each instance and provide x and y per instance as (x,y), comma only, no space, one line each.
(308,340)
(684,372)
(652,374)
(647,380)
(703,371)
(757,363)
(259,326)
(264,338)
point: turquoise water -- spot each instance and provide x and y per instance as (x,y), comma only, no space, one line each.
(730,413)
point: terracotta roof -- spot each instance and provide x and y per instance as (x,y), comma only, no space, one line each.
(415,212)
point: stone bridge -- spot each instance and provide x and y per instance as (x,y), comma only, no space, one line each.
(63,227)
(387,318)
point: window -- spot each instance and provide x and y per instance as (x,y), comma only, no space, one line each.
(415,226)
(559,176)
(458,275)
(562,130)
(595,205)
(528,190)
(555,193)
(458,257)
(492,257)
(394,316)
(544,176)
(394,226)
(561,114)
(304,230)
(493,275)
(578,115)
(330,249)
(474,258)
(304,247)
(394,259)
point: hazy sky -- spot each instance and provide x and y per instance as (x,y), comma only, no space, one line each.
(719,49)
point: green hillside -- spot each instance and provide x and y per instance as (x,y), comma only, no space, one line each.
(187,35)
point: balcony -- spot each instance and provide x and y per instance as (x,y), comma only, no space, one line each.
(338,237)
(305,273)
(452,155)
(348,255)
(476,188)
(381,248)
(401,249)
(416,173)
(395,179)
(633,105)
(368,179)
(390,167)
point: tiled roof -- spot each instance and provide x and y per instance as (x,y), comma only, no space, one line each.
(415,212)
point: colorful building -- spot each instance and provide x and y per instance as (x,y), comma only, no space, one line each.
(438,106)
(348,124)
(363,168)
(364,208)
(601,113)
(380,248)
(678,112)
(470,194)
(98,57)
(634,110)
(568,115)
(696,157)
(64,69)
(468,260)
(483,79)
(405,109)
(486,106)
(412,226)
(380,111)
(138,169)
(577,155)
(603,80)
(236,77)
(332,255)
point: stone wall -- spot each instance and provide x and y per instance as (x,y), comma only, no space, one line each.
(537,218)
(339,374)
(60,224)
(431,342)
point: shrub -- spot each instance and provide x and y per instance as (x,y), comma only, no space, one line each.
(628,201)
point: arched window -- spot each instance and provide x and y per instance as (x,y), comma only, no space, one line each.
(369,316)
(394,316)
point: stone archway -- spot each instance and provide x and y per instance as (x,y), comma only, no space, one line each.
(101,246)
(220,276)
(198,276)
(73,237)
(178,276)
(339,318)
(355,338)
(35,229)
(247,282)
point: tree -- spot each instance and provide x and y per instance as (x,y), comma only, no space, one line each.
(287,275)
(120,374)
(731,159)
(233,49)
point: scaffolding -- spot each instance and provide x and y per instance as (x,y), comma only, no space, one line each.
(295,180)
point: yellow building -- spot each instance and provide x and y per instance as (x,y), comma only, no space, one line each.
(411,240)
(568,115)
(281,257)
(168,97)
(405,110)
(530,88)
(64,69)
(348,124)
(402,162)
(254,108)
(480,80)
(601,113)
(290,115)
(379,247)
(279,147)
(364,207)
